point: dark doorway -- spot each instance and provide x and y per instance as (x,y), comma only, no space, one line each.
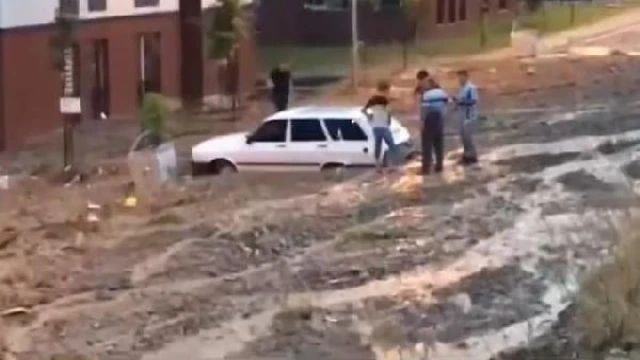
(191,52)
(100,95)
(150,64)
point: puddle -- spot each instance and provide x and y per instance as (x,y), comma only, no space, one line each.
(498,298)
(308,334)
(612,147)
(582,181)
(632,169)
(537,162)
(579,144)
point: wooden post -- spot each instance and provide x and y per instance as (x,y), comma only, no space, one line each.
(70,105)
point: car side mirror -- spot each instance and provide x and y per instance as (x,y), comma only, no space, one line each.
(249,139)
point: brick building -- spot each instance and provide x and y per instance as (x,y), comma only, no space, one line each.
(328,22)
(124,48)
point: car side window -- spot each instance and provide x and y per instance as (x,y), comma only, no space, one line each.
(305,130)
(272,131)
(345,130)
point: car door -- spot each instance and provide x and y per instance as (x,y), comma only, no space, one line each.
(308,143)
(350,142)
(266,147)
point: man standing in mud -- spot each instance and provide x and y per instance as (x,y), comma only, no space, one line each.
(466,104)
(280,87)
(433,106)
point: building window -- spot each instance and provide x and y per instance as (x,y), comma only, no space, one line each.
(452,11)
(440,11)
(463,10)
(390,3)
(145,3)
(149,57)
(97,5)
(503,4)
(324,5)
(69,7)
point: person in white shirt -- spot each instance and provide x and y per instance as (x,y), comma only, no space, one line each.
(379,117)
(466,106)
(433,106)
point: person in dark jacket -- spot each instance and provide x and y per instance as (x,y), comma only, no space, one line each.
(433,106)
(280,87)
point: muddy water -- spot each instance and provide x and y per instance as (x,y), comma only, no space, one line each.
(524,244)
(463,236)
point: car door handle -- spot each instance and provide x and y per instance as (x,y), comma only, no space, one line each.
(281,146)
(365,150)
(322,146)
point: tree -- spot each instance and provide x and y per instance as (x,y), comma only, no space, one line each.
(415,13)
(533,5)
(153,118)
(228,28)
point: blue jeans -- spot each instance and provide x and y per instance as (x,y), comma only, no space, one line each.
(467,130)
(381,134)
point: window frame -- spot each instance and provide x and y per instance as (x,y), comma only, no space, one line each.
(441,12)
(96,6)
(463,10)
(340,139)
(319,122)
(145,3)
(286,132)
(452,11)
(322,5)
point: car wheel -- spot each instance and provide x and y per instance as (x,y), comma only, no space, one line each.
(412,155)
(333,171)
(223,168)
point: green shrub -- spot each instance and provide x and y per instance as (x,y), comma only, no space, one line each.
(153,117)
(609,300)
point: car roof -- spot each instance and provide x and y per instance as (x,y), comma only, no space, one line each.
(321,112)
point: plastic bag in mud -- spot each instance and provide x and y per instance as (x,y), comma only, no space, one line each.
(167,162)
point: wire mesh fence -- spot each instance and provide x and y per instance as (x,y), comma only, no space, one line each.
(470,37)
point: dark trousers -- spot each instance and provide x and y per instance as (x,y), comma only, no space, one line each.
(432,141)
(280,101)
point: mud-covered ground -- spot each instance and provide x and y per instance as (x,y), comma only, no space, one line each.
(466,265)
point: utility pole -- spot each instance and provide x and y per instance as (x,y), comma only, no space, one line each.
(355,45)
(66,57)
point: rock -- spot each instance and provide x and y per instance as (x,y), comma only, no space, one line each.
(8,236)
(463,301)
(15,311)
(426,336)
(617,354)
(634,354)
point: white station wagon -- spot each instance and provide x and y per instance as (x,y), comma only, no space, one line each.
(305,138)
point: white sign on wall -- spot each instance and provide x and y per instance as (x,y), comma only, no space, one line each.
(70,105)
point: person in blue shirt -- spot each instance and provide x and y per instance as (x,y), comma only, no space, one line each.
(433,106)
(466,106)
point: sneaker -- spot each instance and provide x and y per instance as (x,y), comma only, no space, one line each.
(465,161)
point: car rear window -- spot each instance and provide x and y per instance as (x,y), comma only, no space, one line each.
(347,129)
